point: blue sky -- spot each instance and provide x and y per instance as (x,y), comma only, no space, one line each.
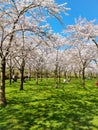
(85,8)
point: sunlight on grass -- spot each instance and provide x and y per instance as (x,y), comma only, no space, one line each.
(43,107)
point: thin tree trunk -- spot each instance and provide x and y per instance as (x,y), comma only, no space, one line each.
(21,80)
(37,77)
(69,75)
(10,71)
(83,78)
(10,74)
(75,75)
(59,75)
(46,74)
(2,88)
(41,74)
(65,74)
(97,76)
(56,76)
(30,73)
(79,73)
(22,75)
(56,71)
(91,75)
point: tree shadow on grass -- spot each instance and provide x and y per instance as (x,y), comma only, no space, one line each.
(54,111)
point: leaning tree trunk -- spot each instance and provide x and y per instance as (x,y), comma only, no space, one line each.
(22,75)
(2,87)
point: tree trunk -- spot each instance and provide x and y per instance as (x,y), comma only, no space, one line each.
(22,75)
(2,88)
(56,71)
(79,73)
(59,75)
(37,77)
(76,76)
(97,76)
(65,74)
(30,73)
(83,78)
(21,80)
(56,76)
(10,71)
(10,75)
(41,74)
(69,75)
(91,75)
(46,74)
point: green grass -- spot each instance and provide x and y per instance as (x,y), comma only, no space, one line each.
(43,107)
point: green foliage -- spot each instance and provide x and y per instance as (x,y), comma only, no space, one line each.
(43,107)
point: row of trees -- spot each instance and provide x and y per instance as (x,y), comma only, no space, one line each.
(20,19)
(28,43)
(57,57)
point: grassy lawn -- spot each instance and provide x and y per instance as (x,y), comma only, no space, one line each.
(43,107)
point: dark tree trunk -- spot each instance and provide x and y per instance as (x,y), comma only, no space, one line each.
(65,74)
(95,43)
(2,88)
(21,79)
(91,75)
(83,78)
(22,75)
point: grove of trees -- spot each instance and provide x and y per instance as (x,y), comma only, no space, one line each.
(28,44)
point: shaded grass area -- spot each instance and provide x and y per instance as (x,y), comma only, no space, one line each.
(43,107)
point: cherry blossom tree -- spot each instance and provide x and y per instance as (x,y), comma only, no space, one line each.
(83,29)
(27,13)
(83,54)
(78,36)
(58,41)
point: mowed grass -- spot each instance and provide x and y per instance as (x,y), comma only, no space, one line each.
(43,107)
